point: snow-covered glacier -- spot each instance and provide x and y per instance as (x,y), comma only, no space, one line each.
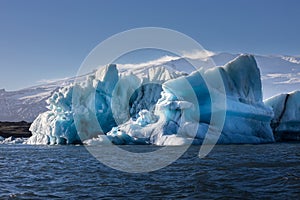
(286,121)
(158,106)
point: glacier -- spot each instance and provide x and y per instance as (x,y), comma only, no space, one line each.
(286,120)
(158,105)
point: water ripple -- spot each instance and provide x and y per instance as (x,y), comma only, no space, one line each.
(229,171)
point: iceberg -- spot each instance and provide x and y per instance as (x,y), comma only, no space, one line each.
(158,105)
(286,120)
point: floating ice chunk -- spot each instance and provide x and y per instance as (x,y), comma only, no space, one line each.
(12,140)
(173,140)
(100,140)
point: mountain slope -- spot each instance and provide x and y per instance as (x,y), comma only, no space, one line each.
(26,104)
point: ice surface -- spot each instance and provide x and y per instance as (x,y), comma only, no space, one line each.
(286,120)
(247,118)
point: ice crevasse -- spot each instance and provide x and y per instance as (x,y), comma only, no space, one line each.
(160,106)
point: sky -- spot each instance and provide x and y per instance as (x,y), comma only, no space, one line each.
(49,39)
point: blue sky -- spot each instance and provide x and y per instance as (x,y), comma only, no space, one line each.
(48,39)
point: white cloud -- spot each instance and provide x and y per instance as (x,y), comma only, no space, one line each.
(149,63)
(48,81)
(203,55)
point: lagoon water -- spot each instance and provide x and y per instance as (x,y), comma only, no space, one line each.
(268,171)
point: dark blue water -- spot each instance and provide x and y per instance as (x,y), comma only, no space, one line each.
(230,171)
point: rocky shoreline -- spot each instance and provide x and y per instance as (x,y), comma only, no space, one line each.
(15,129)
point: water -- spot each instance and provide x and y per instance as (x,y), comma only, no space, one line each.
(229,171)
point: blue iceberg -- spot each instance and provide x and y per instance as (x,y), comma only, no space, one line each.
(162,107)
